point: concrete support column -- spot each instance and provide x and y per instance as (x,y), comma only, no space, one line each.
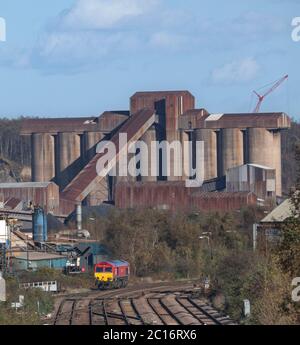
(176,154)
(265,149)
(90,140)
(277,161)
(209,137)
(69,157)
(187,155)
(232,145)
(149,161)
(43,157)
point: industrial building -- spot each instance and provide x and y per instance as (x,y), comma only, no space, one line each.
(36,260)
(20,251)
(255,178)
(276,218)
(28,193)
(64,153)
(269,230)
(174,196)
(241,167)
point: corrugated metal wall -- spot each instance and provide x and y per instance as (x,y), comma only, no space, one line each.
(258,180)
(21,264)
(45,196)
(176,197)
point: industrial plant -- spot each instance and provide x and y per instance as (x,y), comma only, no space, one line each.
(64,153)
(241,167)
(149,167)
(238,166)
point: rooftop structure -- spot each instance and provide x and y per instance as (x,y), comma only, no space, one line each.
(279,214)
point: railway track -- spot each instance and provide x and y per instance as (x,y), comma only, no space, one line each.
(176,306)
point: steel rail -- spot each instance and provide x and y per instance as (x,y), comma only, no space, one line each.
(72,312)
(204,311)
(189,311)
(90,306)
(149,301)
(123,312)
(59,311)
(170,312)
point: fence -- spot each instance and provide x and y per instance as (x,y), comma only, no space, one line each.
(50,286)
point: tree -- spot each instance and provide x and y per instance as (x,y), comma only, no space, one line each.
(289,248)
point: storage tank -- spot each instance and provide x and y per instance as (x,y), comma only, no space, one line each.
(232,143)
(39,223)
(69,157)
(265,149)
(43,157)
(45,227)
(210,151)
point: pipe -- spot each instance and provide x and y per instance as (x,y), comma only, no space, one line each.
(79,216)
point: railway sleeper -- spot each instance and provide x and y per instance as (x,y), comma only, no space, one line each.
(145,311)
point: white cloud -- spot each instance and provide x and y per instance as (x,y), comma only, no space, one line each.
(103,14)
(95,32)
(237,71)
(70,52)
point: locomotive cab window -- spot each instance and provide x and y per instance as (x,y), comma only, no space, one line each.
(108,269)
(99,269)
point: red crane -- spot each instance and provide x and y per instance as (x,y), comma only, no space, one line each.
(262,97)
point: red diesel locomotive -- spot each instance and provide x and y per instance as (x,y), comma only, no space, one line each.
(111,274)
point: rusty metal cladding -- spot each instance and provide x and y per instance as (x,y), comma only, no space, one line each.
(88,178)
(222,201)
(174,196)
(169,107)
(106,122)
(193,119)
(172,104)
(110,120)
(43,194)
(13,204)
(100,194)
(230,140)
(66,207)
(242,121)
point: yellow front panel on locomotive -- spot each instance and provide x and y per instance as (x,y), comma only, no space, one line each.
(104,277)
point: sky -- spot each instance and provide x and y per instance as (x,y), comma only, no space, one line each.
(65,58)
